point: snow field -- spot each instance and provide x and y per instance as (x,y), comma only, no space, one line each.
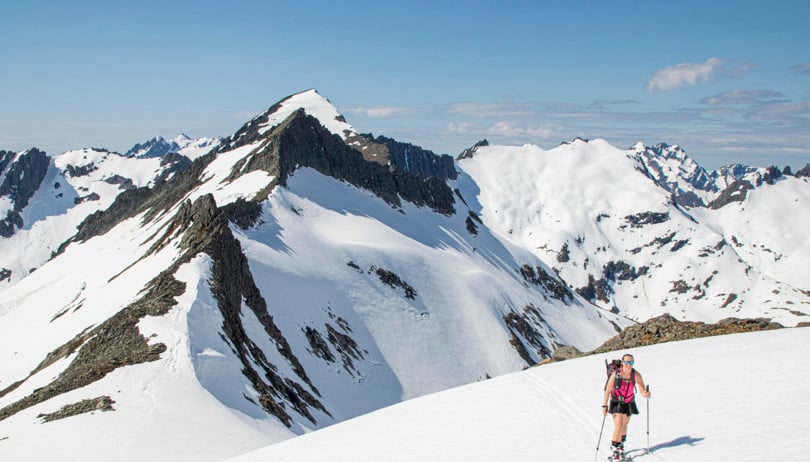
(741,397)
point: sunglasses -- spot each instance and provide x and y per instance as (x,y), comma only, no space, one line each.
(629,362)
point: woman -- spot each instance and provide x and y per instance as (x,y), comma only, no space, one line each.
(622,405)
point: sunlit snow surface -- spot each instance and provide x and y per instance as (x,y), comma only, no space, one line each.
(742,397)
(581,195)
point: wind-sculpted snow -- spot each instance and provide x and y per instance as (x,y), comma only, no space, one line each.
(592,201)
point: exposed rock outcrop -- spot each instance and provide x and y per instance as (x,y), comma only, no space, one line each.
(117,342)
(301,141)
(101,403)
(666,328)
(22,178)
(736,192)
(470,152)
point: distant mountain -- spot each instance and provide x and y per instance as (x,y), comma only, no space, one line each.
(182,144)
(298,273)
(618,227)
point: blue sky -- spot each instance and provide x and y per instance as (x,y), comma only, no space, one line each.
(727,80)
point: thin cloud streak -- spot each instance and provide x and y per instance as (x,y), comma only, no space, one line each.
(803,68)
(737,97)
(378,111)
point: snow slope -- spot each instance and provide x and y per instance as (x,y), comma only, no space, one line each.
(77,184)
(589,210)
(742,397)
(317,257)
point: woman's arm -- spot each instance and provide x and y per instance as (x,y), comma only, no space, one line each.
(641,387)
(608,388)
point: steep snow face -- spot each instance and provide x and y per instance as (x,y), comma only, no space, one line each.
(590,211)
(556,409)
(768,231)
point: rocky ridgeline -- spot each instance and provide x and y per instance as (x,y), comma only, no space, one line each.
(666,328)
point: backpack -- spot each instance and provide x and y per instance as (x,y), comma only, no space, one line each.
(613,368)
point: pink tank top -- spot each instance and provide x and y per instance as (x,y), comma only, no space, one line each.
(627,389)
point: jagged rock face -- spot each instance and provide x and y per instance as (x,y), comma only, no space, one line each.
(21,180)
(301,141)
(155,147)
(232,282)
(404,157)
(656,157)
(409,158)
(5,159)
(804,172)
(736,192)
(470,152)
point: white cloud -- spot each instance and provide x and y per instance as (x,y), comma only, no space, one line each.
(459,129)
(510,130)
(674,77)
(378,111)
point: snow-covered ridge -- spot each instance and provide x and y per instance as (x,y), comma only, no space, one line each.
(591,212)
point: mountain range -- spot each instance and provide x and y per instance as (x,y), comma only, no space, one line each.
(299,273)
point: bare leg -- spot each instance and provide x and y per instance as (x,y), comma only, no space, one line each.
(619,426)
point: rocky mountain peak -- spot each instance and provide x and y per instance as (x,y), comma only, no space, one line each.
(302,141)
(310,101)
(156,147)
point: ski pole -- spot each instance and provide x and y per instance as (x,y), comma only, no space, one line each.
(648,420)
(599,441)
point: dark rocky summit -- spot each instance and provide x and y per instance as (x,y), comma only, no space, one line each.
(301,141)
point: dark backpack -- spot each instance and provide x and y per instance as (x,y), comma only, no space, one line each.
(613,368)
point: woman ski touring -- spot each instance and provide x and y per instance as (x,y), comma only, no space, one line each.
(621,393)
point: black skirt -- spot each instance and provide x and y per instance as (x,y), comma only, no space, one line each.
(623,408)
